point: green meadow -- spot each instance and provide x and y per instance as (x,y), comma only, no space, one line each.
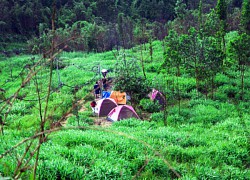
(205,137)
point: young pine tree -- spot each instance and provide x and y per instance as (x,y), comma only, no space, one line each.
(221,10)
(245,16)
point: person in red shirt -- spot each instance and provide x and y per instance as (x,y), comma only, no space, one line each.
(93,105)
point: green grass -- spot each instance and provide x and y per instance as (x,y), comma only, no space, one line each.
(208,139)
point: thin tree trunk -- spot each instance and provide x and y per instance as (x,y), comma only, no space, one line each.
(224,44)
(242,81)
(165,112)
(43,121)
(151,50)
(178,90)
(212,93)
(142,63)
(196,77)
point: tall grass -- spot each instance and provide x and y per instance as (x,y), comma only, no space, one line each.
(208,139)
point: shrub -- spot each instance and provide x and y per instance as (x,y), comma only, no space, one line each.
(221,79)
(150,106)
(89,97)
(175,119)
(229,90)
(157,117)
(20,108)
(59,169)
(220,97)
(158,168)
(206,114)
(83,120)
(204,172)
(228,153)
(86,119)
(187,84)
(152,68)
(195,102)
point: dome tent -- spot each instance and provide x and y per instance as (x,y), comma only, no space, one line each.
(104,106)
(157,96)
(122,112)
(119,97)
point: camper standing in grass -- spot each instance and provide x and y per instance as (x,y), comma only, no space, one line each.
(96,89)
(105,85)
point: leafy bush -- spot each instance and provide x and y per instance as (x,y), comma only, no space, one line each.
(59,168)
(82,119)
(89,97)
(129,80)
(206,114)
(150,106)
(25,122)
(86,119)
(157,117)
(153,68)
(243,107)
(175,119)
(187,84)
(229,90)
(221,79)
(220,97)
(158,168)
(20,108)
(228,153)
(195,102)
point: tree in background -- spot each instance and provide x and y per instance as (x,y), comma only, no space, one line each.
(180,9)
(173,55)
(5,16)
(213,61)
(129,80)
(245,16)
(201,21)
(192,56)
(121,28)
(140,31)
(211,24)
(125,29)
(162,84)
(173,59)
(181,13)
(240,50)
(239,47)
(221,10)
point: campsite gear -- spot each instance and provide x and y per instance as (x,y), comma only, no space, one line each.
(122,112)
(106,94)
(119,97)
(104,106)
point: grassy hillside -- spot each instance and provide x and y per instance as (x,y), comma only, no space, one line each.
(207,139)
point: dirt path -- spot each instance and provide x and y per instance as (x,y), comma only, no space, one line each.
(101,121)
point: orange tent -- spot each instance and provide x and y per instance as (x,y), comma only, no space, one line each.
(119,97)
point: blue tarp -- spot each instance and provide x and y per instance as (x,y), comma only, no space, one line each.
(106,94)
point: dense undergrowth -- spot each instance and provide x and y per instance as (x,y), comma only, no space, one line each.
(207,139)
